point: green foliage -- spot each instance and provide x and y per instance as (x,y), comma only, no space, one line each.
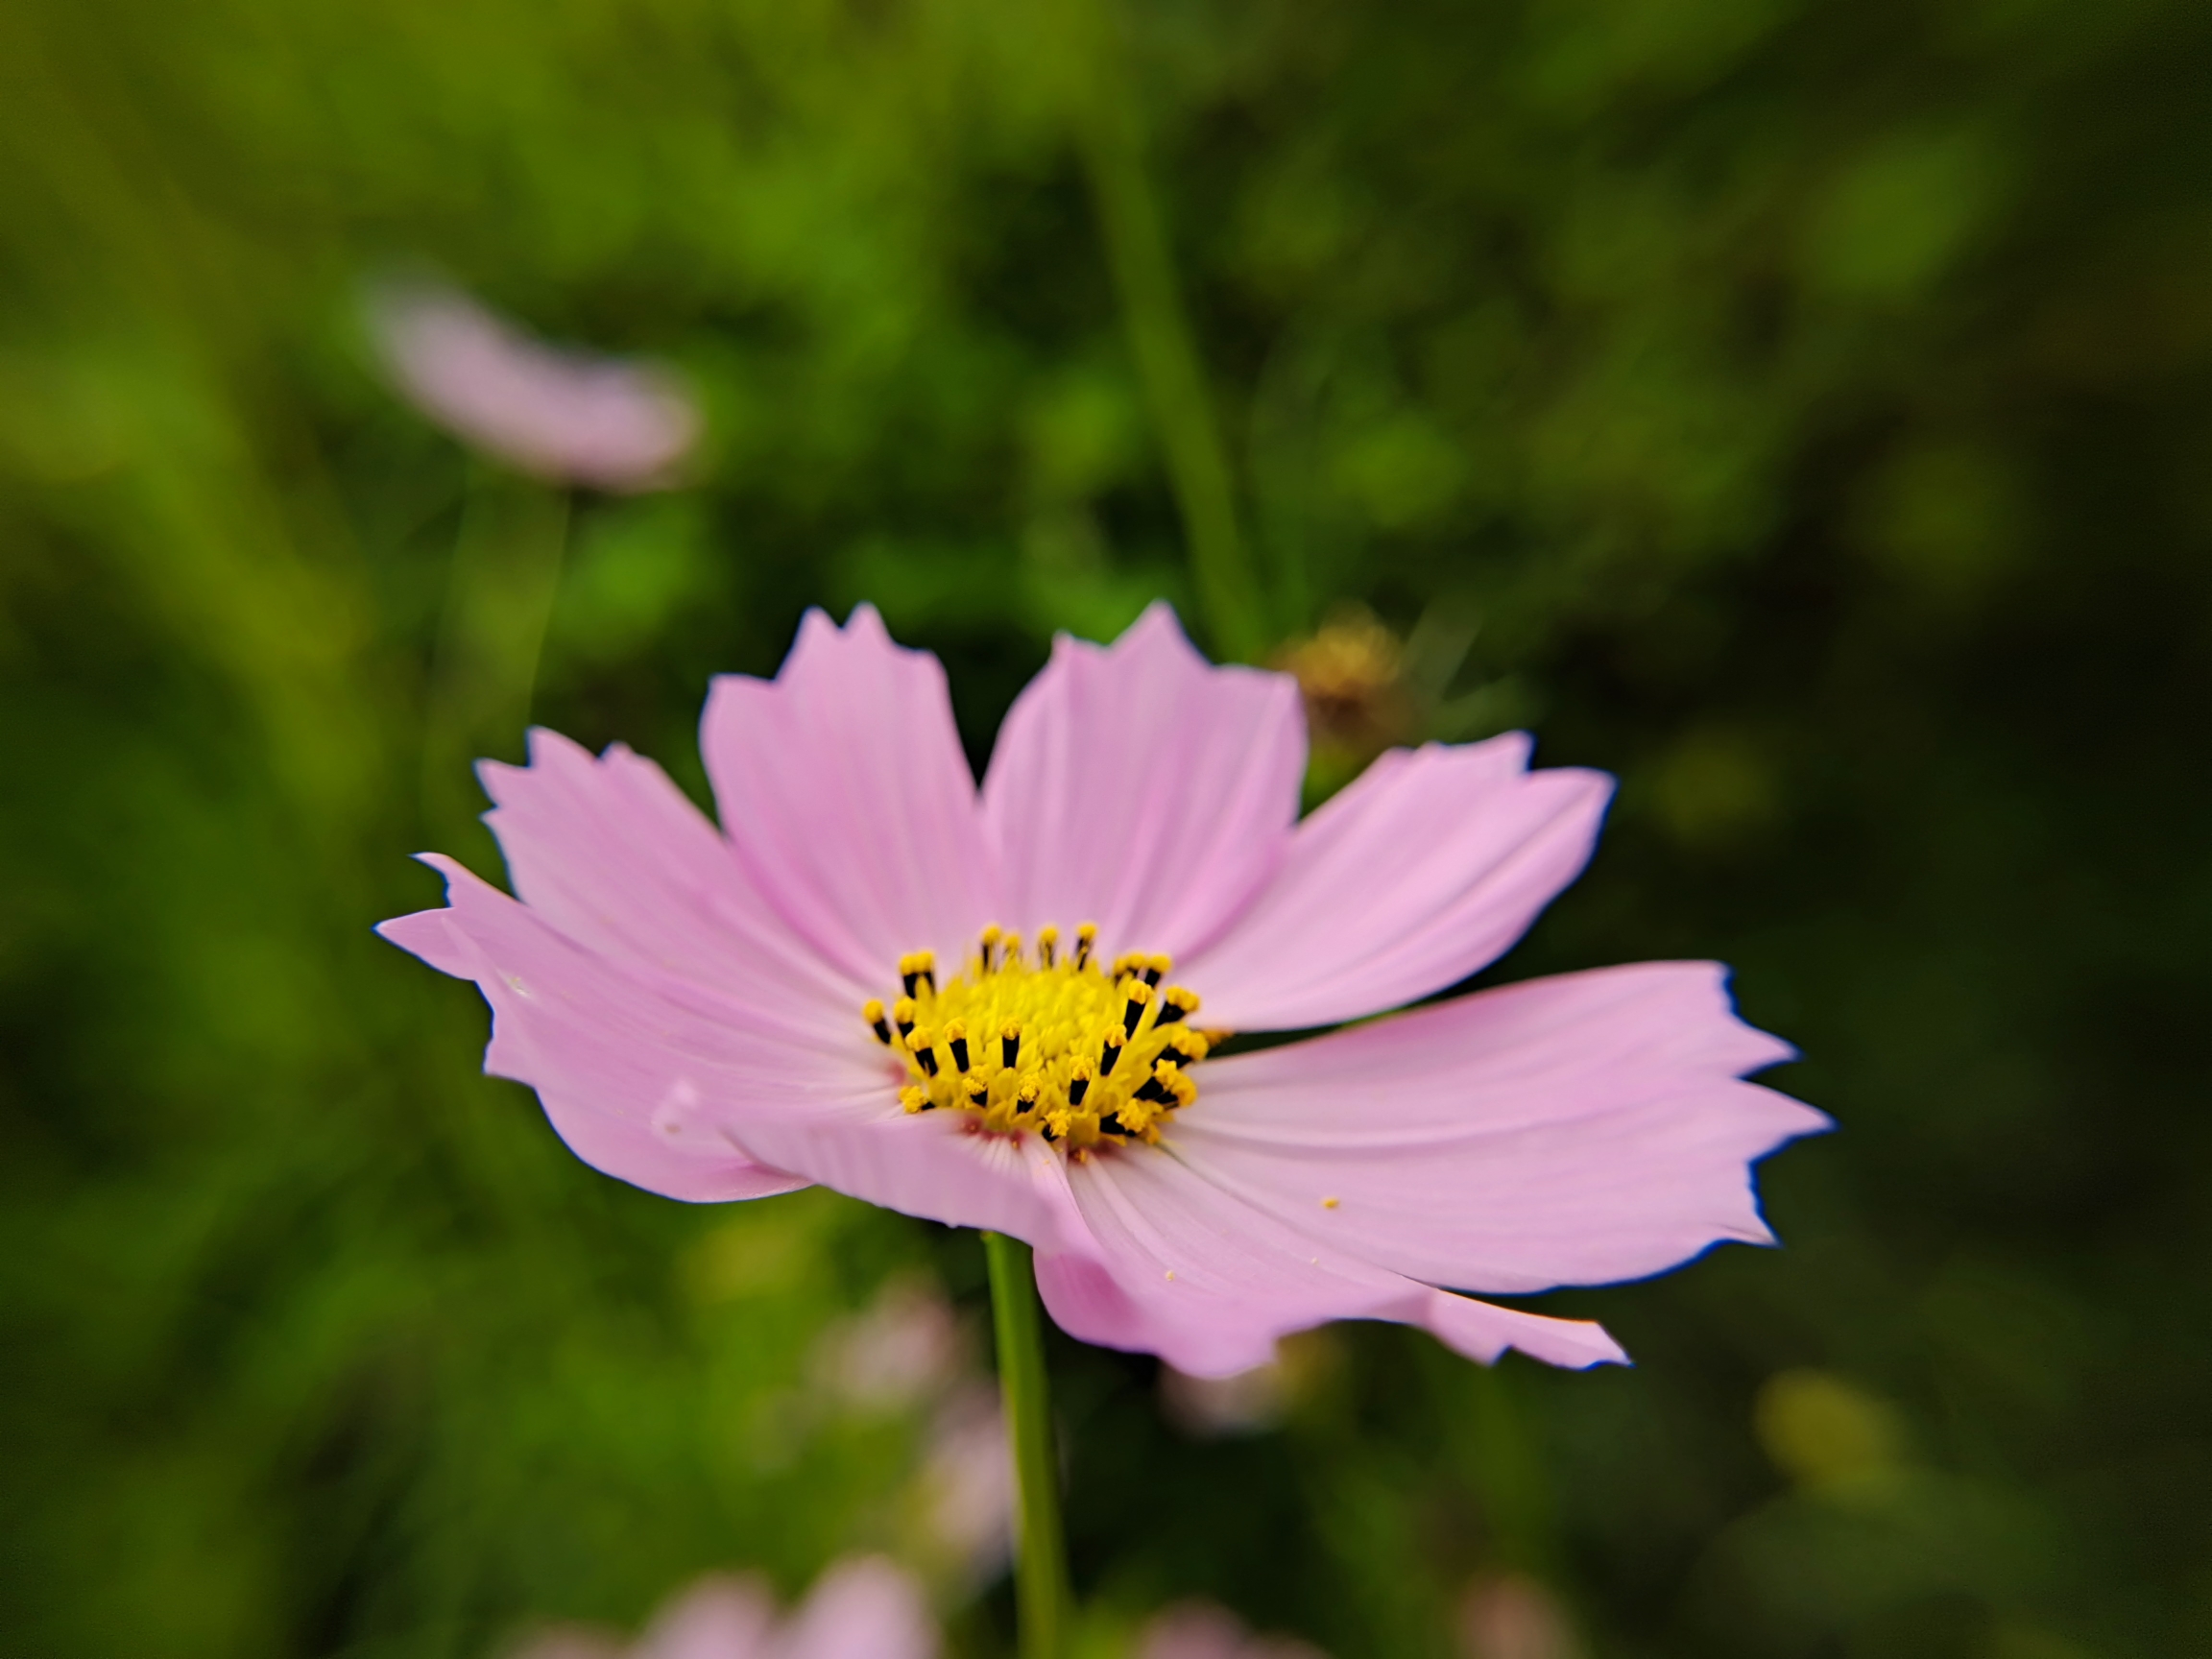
(1806,403)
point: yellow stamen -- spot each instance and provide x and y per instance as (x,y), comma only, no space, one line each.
(1093,1060)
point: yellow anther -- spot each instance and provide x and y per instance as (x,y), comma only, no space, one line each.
(1135,1116)
(872,1010)
(1190,1045)
(1136,997)
(1160,1087)
(1047,1041)
(1327,1203)
(922,1043)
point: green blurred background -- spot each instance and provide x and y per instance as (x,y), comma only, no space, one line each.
(1799,408)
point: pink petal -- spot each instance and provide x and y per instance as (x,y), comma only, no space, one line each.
(573,417)
(865,1609)
(720,1616)
(1142,788)
(612,853)
(1574,1130)
(843,788)
(1428,866)
(935,1165)
(1190,1272)
(644,1074)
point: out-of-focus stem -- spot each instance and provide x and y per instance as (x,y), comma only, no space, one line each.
(1040,1570)
(507,560)
(1162,339)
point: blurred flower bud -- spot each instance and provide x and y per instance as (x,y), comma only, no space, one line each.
(562,415)
(1348,675)
(1512,1617)
(1825,1433)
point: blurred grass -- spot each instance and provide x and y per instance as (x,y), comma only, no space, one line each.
(1808,404)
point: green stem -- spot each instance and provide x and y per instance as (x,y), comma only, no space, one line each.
(506,571)
(1163,340)
(1040,1570)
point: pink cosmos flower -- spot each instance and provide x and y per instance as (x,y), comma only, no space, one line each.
(982,1006)
(559,413)
(864,1609)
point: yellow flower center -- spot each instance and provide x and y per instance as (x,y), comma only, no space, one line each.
(1049,1040)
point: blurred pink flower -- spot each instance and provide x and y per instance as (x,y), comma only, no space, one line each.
(559,413)
(1210,1408)
(904,1346)
(864,1609)
(1512,1617)
(1201,1630)
(720,1015)
(968,1485)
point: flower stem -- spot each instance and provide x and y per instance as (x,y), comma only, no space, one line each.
(1041,1568)
(506,572)
(1163,339)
